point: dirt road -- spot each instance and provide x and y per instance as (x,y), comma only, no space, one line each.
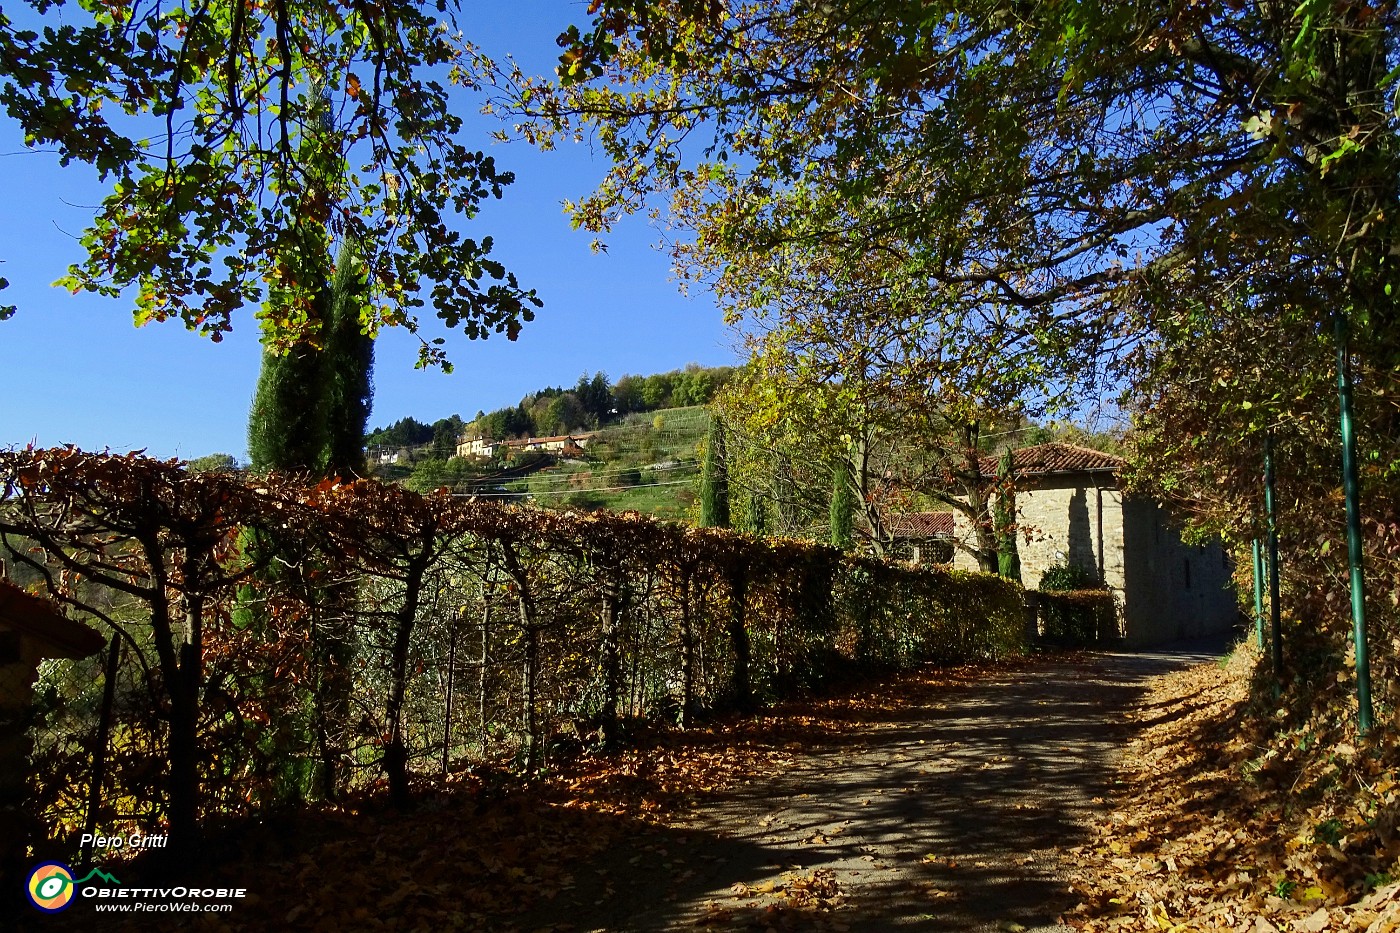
(947,809)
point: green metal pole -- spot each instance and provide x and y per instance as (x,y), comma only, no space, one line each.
(1352,488)
(1276,645)
(1258,595)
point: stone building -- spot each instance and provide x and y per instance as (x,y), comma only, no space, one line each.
(1070,510)
(920,537)
(31,629)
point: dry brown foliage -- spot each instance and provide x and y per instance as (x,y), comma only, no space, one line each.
(1238,819)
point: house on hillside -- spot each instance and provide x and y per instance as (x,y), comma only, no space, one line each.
(478,447)
(921,537)
(385,456)
(567,445)
(559,444)
(1070,510)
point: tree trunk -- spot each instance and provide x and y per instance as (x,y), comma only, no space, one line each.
(975,486)
(396,753)
(532,659)
(178,673)
(687,656)
(336,653)
(447,712)
(986,551)
(739,639)
(184,738)
(532,670)
(612,660)
(868,503)
(481,679)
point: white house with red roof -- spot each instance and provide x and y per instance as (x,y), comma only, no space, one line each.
(564,444)
(1070,510)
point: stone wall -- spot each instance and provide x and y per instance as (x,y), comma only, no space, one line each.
(1168,590)
(1173,590)
(1078,523)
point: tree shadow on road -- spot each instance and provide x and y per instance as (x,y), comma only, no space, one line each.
(936,801)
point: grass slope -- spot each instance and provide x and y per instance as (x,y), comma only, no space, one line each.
(647,462)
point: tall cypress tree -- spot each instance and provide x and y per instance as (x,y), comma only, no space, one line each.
(1004,515)
(843,508)
(309,415)
(287,422)
(714,480)
(348,361)
(311,406)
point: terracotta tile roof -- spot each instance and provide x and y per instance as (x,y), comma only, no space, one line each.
(1056,458)
(921,525)
(526,441)
(59,636)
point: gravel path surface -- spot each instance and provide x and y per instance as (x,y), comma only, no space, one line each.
(949,813)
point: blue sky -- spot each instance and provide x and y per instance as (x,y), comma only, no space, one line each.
(78,372)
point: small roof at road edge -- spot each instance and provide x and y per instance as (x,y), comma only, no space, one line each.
(921,525)
(59,636)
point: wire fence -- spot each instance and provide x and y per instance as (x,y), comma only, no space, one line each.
(373,638)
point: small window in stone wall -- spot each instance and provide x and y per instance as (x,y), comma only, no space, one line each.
(921,550)
(936,551)
(1188,573)
(900,549)
(9,648)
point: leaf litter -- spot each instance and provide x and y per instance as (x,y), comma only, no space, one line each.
(1232,820)
(1220,826)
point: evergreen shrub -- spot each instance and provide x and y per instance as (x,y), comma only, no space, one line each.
(1078,618)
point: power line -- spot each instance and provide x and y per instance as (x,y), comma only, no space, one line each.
(569,477)
(559,492)
(505,487)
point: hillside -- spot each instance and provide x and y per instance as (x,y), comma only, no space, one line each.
(593,402)
(649,462)
(646,461)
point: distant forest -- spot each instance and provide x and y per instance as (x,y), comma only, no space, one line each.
(592,402)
